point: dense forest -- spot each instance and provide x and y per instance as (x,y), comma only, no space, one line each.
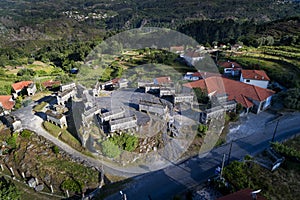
(279,32)
(79,19)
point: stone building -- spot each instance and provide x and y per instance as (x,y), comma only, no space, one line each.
(64,96)
(67,87)
(166,91)
(114,114)
(123,123)
(11,122)
(90,113)
(153,107)
(56,118)
(183,98)
(215,112)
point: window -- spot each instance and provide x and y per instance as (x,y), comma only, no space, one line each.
(247,80)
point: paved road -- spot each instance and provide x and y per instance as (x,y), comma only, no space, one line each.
(33,122)
(164,184)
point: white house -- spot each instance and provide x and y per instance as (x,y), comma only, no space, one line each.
(251,97)
(255,77)
(231,68)
(22,85)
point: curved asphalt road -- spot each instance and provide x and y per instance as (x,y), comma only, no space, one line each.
(34,123)
(166,183)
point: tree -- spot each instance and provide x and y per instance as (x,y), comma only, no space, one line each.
(26,72)
(201,95)
(239,108)
(110,149)
(8,190)
(291,98)
(125,141)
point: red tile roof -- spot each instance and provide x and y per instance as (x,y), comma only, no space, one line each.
(50,83)
(241,195)
(255,75)
(229,64)
(20,85)
(163,80)
(241,92)
(7,102)
(115,80)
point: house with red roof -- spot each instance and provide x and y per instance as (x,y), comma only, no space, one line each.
(6,103)
(50,84)
(231,68)
(29,86)
(255,77)
(251,97)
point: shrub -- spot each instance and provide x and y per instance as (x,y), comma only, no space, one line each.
(110,149)
(125,141)
(8,190)
(55,149)
(12,141)
(235,172)
(72,185)
(286,150)
(26,134)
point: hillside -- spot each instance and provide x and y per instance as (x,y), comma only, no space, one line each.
(57,19)
(282,31)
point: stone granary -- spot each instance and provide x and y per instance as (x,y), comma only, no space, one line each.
(67,87)
(166,91)
(114,114)
(56,118)
(153,107)
(212,113)
(90,113)
(64,96)
(122,124)
(183,98)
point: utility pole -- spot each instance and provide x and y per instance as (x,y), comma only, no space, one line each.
(223,162)
(275,130)
(229,154)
